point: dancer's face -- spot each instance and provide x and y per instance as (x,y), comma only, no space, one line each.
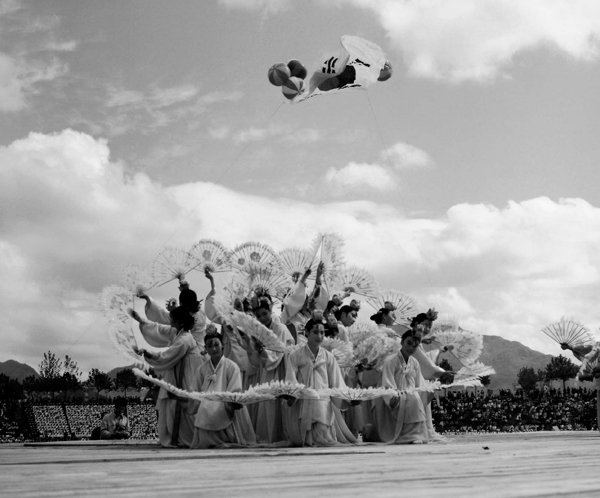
(214,348)
(348,319)
(409,346)
(315,335)
(263,316)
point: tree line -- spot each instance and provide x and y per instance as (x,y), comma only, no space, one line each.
(559,368)
(62,377)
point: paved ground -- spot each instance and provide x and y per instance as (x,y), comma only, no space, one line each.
(543,464)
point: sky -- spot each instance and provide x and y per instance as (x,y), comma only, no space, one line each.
(467,181)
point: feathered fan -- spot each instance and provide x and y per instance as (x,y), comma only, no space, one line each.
(136,279)
(355,394)
(211,255)
(295,261)
(122,337)
(171,264)
(355,280)
(267,280)
(591,360)
(252,327)
(340,349)
(405,305)
(570,332)
(374,350)
(115,300)
(278,388)
(361,331)
(328,249)
(463,344)
(253,255)
(472,372)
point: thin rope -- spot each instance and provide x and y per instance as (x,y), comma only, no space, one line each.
(191,211)
(399,190)
(214,184)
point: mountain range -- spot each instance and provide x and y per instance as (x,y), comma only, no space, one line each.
(506,357)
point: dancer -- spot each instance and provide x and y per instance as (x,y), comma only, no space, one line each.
(315,422)
(267,415)
(402,419)
(159,332)
(218,423)
(177,364)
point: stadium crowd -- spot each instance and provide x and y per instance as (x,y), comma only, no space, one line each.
(456,412)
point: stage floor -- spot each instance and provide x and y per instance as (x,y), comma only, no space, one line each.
(541,464)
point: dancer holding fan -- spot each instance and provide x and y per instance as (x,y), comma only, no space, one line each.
(218,423)
(177,364)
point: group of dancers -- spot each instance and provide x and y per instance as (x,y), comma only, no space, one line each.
(201,350)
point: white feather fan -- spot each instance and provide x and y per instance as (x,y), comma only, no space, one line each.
(351,279)
(123,339)
(211,255)
(172,263)
(406,307)
(570,332)
(591,360)
(472,372)
(115,301)
(374,350)
(278,388)
(295,261)
(252,327)
(136,279)
(355,394)
(253,255)
(341,350)
(463,344)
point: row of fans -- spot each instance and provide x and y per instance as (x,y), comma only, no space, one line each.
(257,267)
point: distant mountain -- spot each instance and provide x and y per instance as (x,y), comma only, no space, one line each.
(16,370)
(507,358)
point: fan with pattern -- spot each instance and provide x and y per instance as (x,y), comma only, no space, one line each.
(172,264)
(253,255)
(295,261)
(354,280)
(210,255)
(406,307)
(115,301)
(136,279)
(123,339)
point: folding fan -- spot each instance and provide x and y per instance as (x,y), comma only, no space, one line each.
(406,307)
(115,301)
(211,255)
(278,388)
(136,279)
(351,279)
(172,263)
(570,332)
(253,254)
(123,339)
(295,261)
(341,350)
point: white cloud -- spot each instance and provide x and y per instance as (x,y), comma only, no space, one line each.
(71,218)
(461,40)
(353,177)
(475,39)
(405,156)
(19,79)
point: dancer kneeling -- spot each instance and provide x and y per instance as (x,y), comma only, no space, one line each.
(401,419)
(218,423)
(315,422)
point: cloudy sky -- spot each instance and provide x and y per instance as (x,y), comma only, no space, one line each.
(468,180)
